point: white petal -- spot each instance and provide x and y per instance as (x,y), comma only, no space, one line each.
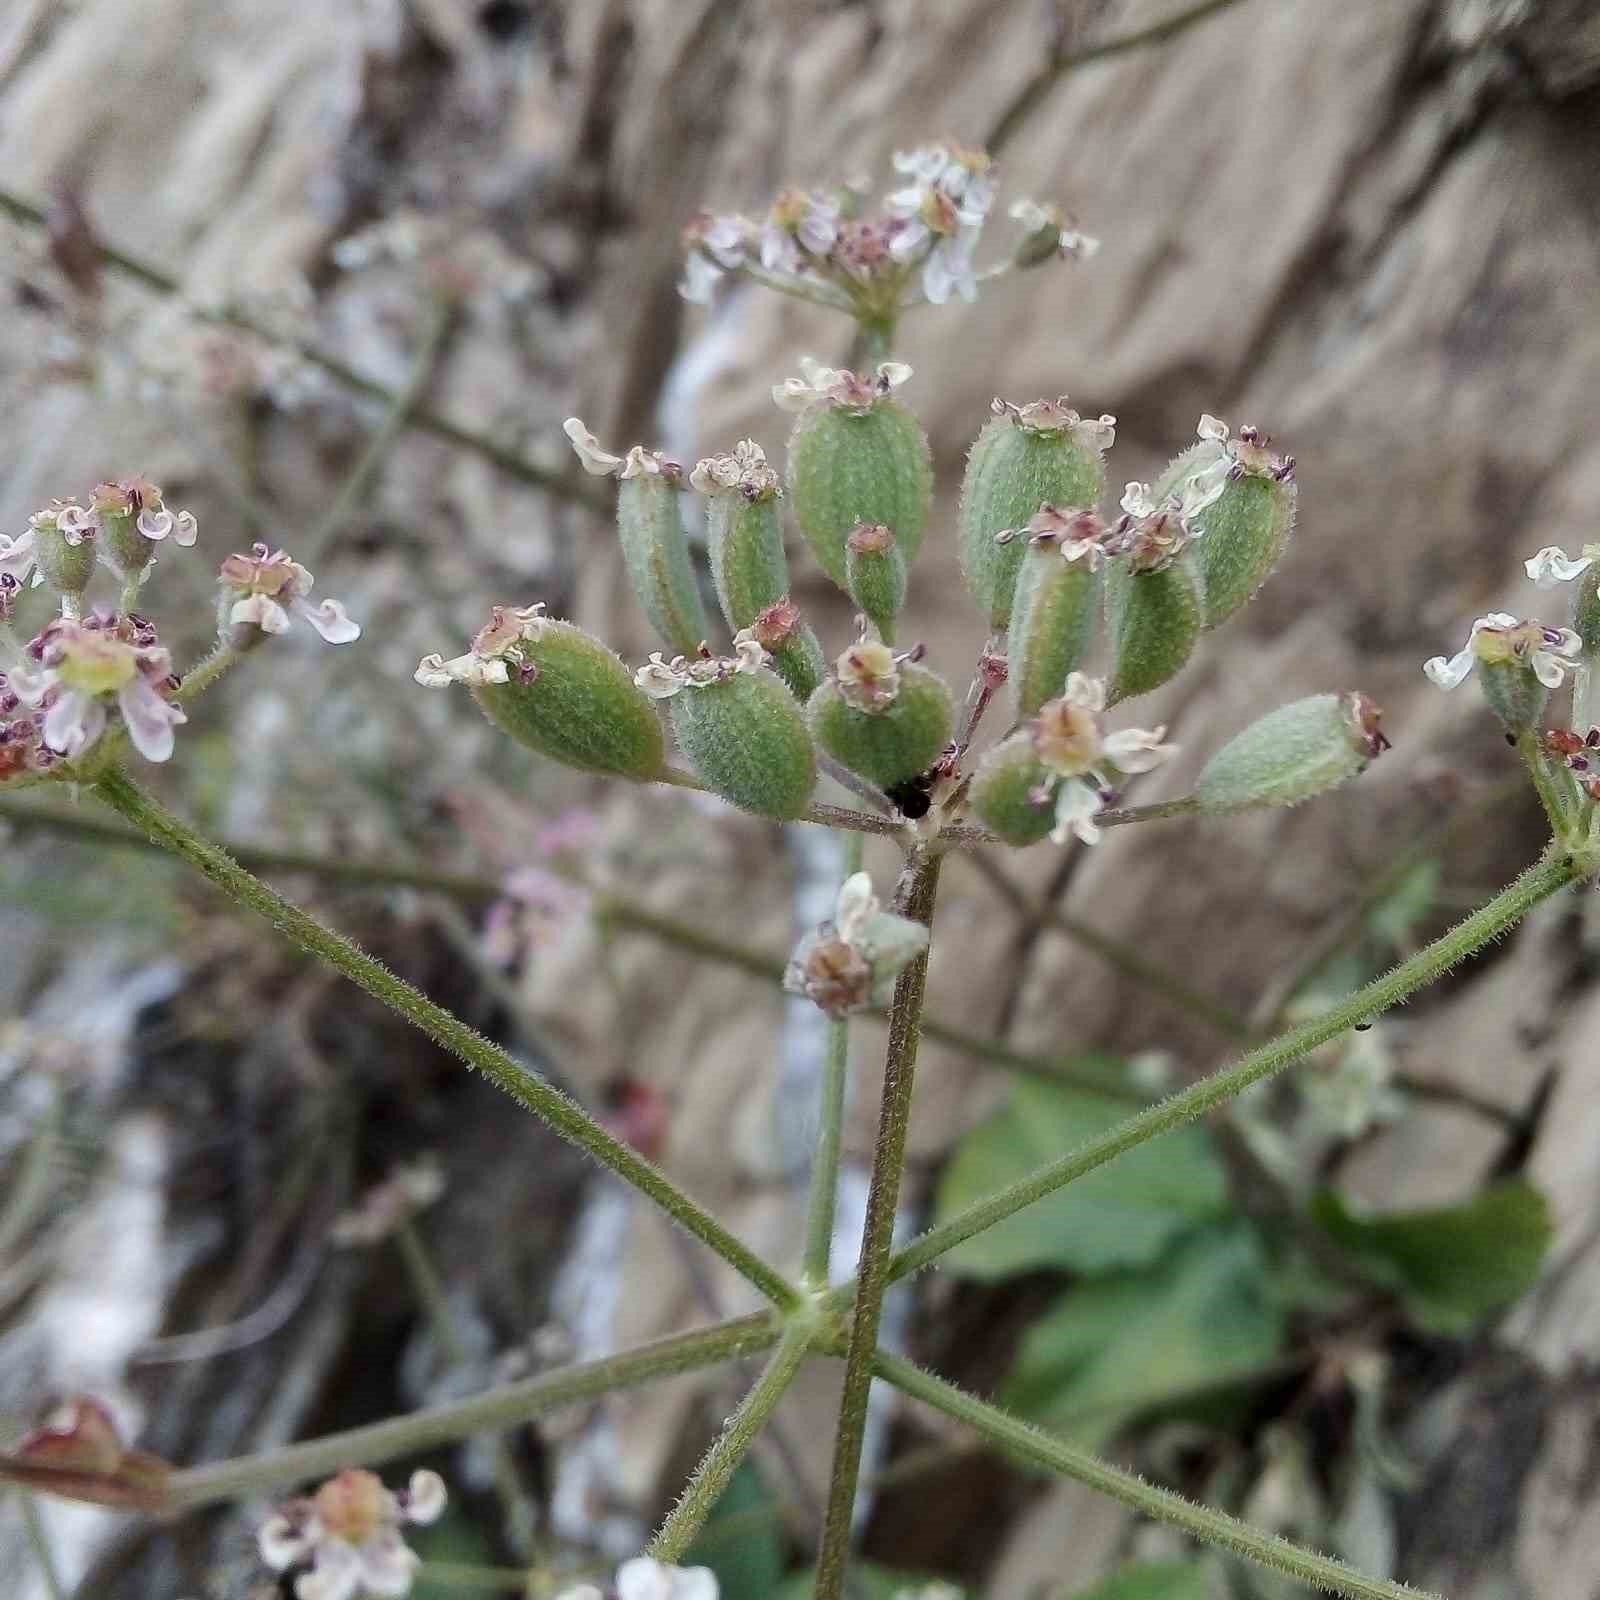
(73,723)
(1550,566)
(694,1583)
(643,1579)
(938,278)
(793,394)
(330,619)
(425,1497)
(700,279)
(261,611)
(908,242)
(432,673)
(894,373)
(16,555)
(1212,428)
(1096,433)
(187,529)
(817,375)
(387,1566)
(155,525)
(657,679)
(601,463)
(856,906)
(336,1575)
(1076,807)
(747,648)
(150,719)
(1136,500)
(1447,674)
(1138,749)
(1495,619)
(282,1544)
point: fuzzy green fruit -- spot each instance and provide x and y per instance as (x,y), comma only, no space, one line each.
(1299,750)
(875,575)
(1154,619)
(888,745)
(1051,624)
(655,550)
(1010,793)
(745,737)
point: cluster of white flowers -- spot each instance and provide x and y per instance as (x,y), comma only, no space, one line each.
(122,520)
(662,679)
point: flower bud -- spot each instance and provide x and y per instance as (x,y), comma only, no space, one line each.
(557,690)
(1244,528)
(1293,753)
(1026,456)
(1154,619)
(875,574)
(795,650)
(1054,611)
(882,716)
(856,455)
(743,534)
(851,962)
(1012,793)
(746,739)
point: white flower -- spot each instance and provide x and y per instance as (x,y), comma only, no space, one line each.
(139,498)
(1551,566)
(1151,532)
(498,650)
(744,468)
(86,666)
(1077,805)
(820,385)
(349,1533)
(1078,534)
(949,269)
(1247,452)
(747,652)
(716,245)
(267,587)
(799,224)
(661,679)
(1050,233)
(600,462)
(1499,638)
(700,279)
(17,555)
(644,1579)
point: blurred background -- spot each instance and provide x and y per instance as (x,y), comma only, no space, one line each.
(332,276)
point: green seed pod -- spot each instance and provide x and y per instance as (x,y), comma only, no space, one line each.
(559,691)
(655,549)
(746,739)
(1026,456)
(744,536)
(64,555)
(1011,793)
(885,719)
(1053,617)
(795,650)
(875,575)
(1514,694)
(856,455)
(1299,750)
(1154,619)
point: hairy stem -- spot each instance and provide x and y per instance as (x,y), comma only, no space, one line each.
(495,1410)
(1041,1449)
(830,1128)
(919,888)
(527,1087)
(1488,923)
(721,1461)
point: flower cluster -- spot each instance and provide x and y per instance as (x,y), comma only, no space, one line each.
(926,230)
(261,591)
(119,527)
(744,468)
(496,652)
(1248,452)
(851,962)
(662,679)
(1083,760)
(348,1533)
(1152,533)
(645,1579)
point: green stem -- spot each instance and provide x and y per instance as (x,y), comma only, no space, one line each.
(525,1086)
(919,889)
(1033,92)
(566,486)
(1488,923)
(508,1406)
(1041,1449)
(205,672)
(830,1128)
(721,1461)
(39,1541)
(1554,803)
(441,323)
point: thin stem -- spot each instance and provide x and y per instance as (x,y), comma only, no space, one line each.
(1211,1527)
(1484,925)
(919,889)
(1550,797)
(564,486)
(1062,61)
(721,1461)
(862,788)
(527,1087)
(39,1542)
(494,1411)
(830,1128)
(441,323)
(205,672)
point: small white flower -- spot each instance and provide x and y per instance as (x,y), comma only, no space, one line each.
(659,679)
(1077,805)
(744,468)
(747,651)
(1248,451)
(819,385)
(267,588)
(644,1579)
(498,650)
(1499,638)
(1550,567)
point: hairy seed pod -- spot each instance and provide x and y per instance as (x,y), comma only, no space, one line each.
(745,737)
(574,701)
(66,566)
(1051,623)
(875,575)
(1010,794)
(1025,457)
(903,735)
(1514,693)
(795,650)
(1300,750)
(655,550)
(1154,620)
(858,464)
(744,536)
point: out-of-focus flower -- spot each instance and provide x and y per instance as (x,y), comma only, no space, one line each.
(644,1579)
(1047,231)
(78,1453)
(349,1532)
(261,591)
(940,215)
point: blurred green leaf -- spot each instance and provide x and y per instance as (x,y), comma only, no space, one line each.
(1151,1580)
(1125,1214)
(1397,916)
(1121,1345)
(742,1541)
(872,1582)
(1453,1264)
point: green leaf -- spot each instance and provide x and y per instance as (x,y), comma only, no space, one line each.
(1151,1580)
(1453,1264)
(1121,1345)
(1125,1214)
(871,1582)
(742,1540)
